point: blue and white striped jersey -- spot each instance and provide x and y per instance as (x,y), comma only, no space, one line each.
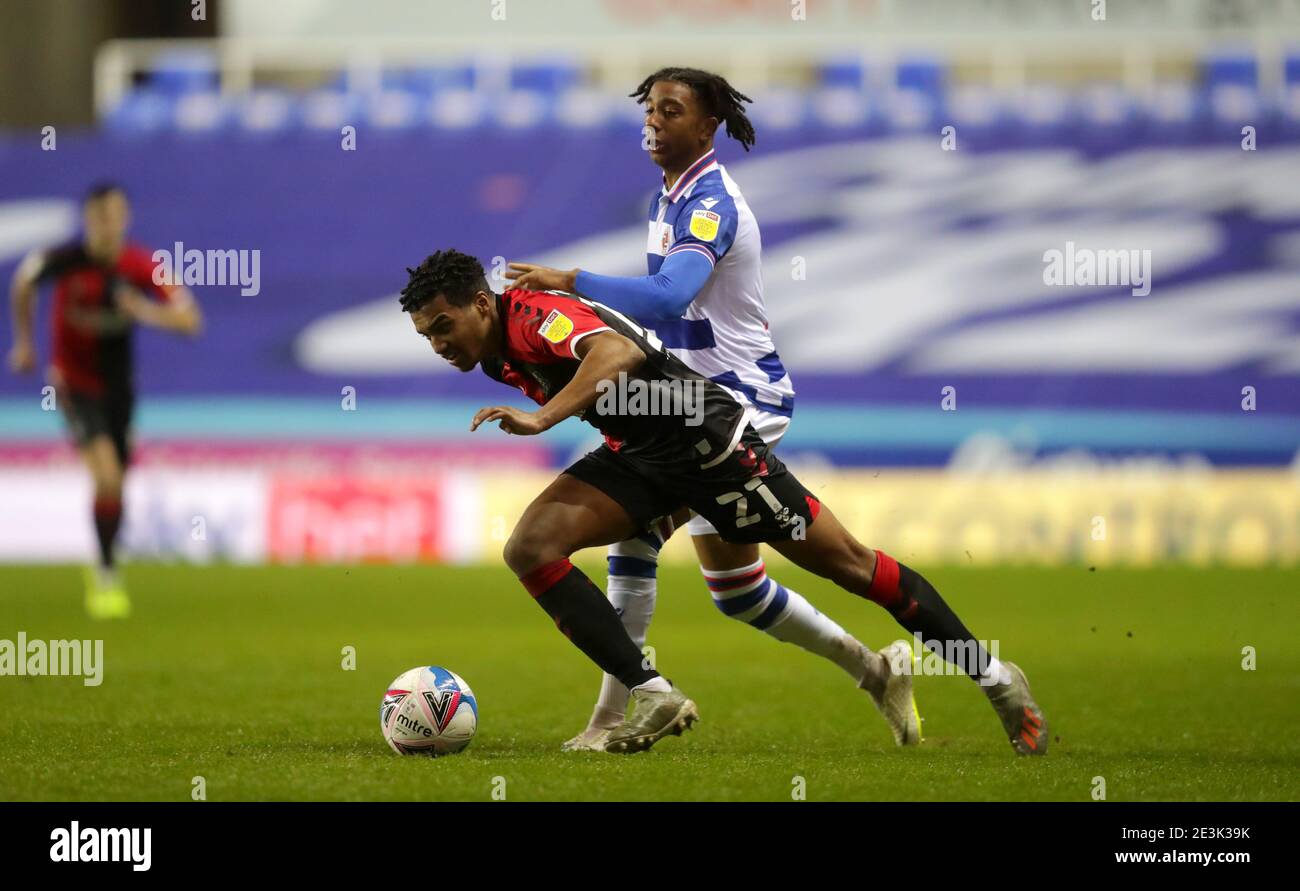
(724,332)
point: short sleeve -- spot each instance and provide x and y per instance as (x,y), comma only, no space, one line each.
(137,267)
(42,266)
(546,327)
(706,225)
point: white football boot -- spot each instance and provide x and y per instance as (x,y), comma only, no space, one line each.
(887,678)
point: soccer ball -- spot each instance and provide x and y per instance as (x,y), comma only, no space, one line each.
(428,711)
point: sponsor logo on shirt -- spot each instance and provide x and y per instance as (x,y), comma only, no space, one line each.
(704,224)
(556,327)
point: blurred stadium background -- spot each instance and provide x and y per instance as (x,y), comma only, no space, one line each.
(1091,426)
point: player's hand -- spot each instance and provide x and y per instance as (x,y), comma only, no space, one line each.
(521,423)
(22,358)
(134,305)
(540,278)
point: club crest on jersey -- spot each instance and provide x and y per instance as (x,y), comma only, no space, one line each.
(556,327)
(442,705)
(704,224)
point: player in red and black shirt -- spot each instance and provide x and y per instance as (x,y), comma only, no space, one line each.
(103,286)
(569,355)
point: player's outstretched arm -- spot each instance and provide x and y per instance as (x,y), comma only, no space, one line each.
(22,303)
(603,355)
(664,295)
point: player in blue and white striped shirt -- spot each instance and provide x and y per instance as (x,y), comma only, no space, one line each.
(703,297)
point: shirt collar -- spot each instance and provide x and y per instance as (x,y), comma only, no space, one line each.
(702,165)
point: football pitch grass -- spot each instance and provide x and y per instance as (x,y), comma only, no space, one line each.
(235,675)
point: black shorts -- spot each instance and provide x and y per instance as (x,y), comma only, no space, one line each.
(748,497)
(89,416)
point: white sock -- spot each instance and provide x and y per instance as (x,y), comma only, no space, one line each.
(804,626)
(748,595)
(632,592)
(994,673)
(657,684)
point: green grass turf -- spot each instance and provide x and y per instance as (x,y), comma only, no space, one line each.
(233,674)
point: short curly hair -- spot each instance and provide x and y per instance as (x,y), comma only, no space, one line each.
(456,276)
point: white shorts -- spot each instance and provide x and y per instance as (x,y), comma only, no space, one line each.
(770,428)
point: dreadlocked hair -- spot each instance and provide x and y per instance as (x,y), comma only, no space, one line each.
(456,276)
(719,98)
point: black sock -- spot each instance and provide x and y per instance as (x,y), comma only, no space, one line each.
(108,519)
(919,608)
(587,618)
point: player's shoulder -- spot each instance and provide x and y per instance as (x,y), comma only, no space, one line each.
(135,250)
(554,316)
(709,214)
(135,255)
(711,193)
(57,260)
(710,208)
(73,247)
(543,312)
(525,303)
(68,253)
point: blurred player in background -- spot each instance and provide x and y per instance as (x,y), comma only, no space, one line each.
(103,286)
(704,300)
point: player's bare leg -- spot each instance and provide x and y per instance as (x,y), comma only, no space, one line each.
(105,596)
(828,550)
(567,516)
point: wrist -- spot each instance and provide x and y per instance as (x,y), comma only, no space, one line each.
(545,419)
(571,280)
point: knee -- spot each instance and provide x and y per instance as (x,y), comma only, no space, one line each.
(107,476)
(108,484)
(529,548)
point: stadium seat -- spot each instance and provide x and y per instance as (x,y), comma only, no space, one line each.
(922,75)
(779,109)
(1222,68)
(584,107)
(916,98)
(329,109)
(426,81)
(178,72)
(1289,101)
(200,112)
(392,109)
(1231,82)
(454,109)
(845,73)
(267,111)
(143,110)
(840,107)
(521,109)
(547,78)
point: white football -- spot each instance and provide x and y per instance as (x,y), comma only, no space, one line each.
(428,711)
